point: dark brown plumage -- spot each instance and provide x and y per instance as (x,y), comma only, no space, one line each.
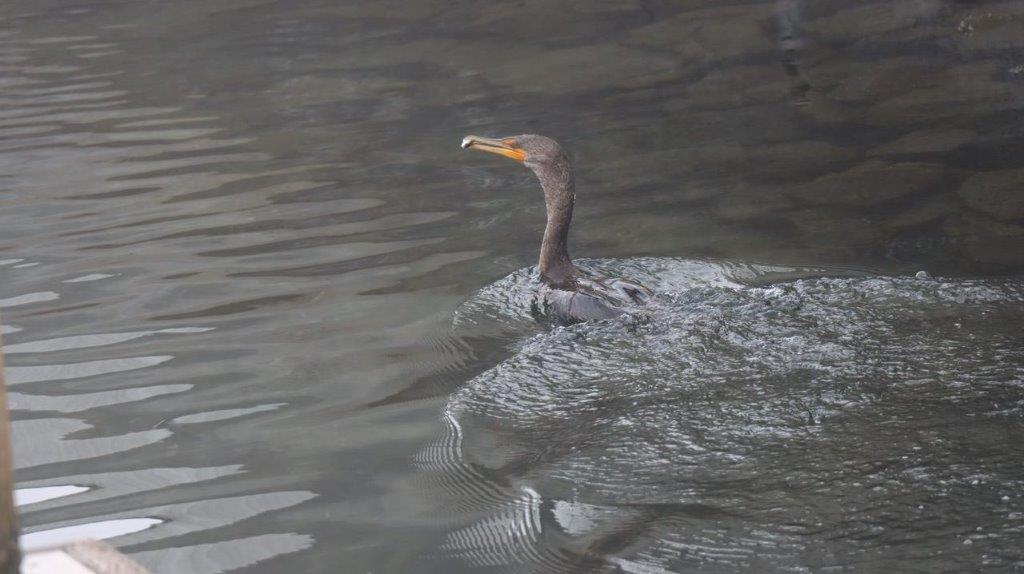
(569,296)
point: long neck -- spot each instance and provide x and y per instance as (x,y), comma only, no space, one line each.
(559,196)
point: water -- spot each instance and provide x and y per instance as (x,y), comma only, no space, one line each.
(805,424)
(262,313)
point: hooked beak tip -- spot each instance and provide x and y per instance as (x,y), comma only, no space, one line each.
(504,147)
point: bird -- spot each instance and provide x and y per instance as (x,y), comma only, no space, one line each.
(568,294)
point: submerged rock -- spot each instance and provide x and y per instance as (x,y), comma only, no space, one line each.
(741,85)
(999,194)
(961,91)
(926,141)
(871,183)
(875,19)
(700,36)
(992,26)
(924,211)
(986,240)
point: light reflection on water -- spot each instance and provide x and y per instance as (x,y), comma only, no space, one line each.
(25,496)
(234,237)
(95,530)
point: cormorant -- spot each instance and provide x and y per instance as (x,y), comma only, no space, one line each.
(569,296)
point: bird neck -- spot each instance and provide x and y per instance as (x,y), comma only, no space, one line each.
(556,268)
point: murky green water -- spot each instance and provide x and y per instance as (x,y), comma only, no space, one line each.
(261,313)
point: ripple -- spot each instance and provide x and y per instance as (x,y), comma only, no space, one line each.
(217,557)
(63,372)
(139,526)
(508,537)
(93,340)
(29,298)
(136,181)
(202,515)
(26,496)
(100,530)
(225,414)
(107,485)
(26,434)
(88,278)
(79,402)
(59,40)
(729,394)
(444,465)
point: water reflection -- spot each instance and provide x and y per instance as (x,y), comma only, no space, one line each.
(115,484)
(225,414)
(84,401)
(92,340)
(96,530)
(28,434)
(28,299)
(175,520)
(26,496)
(225,556)
(43,373)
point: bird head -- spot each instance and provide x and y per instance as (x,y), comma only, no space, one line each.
(531,150)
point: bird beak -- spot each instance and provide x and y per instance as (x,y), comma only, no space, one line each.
(505,147)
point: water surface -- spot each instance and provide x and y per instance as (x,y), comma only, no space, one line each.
(262,313)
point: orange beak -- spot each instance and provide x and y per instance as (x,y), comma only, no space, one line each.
(506,147)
